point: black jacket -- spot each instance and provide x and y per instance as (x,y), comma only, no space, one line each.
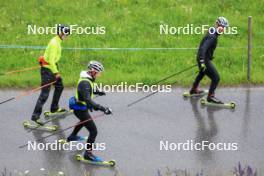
(84,94)
(207,47)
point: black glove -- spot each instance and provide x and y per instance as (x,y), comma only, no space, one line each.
(101,93)
(58,77)
(107,111)
(91,109)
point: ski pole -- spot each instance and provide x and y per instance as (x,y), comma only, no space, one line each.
(65,129)
(26,93)
(17,71)
(142,98)
(170,76)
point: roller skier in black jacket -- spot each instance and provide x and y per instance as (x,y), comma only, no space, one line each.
(204,60)
(82,103)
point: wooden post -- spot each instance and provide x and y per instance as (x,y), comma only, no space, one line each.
(249,48)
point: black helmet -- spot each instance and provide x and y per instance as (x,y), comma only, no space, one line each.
(63,29)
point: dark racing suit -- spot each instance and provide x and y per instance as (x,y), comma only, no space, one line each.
(84,94)
(205,56)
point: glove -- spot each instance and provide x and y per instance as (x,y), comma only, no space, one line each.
(96,109)
(203,67)
(58,77)
(107,111)
(101,93)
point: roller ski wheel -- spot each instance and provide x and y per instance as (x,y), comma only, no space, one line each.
(232,105)
(189,95)
(46,113)
(54,127)
(79,157)
(203,101)
(50,128)
(186,94)
(110,163)
(26,123)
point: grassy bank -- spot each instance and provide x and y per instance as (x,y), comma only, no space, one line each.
(131,24)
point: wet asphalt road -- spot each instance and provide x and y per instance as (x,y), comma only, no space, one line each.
(132,135)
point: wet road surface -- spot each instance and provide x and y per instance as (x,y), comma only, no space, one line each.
(133,135)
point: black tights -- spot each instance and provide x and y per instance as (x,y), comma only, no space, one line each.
(212,73)
(89,125)
(47,77)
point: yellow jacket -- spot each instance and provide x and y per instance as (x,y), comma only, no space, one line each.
(52,54)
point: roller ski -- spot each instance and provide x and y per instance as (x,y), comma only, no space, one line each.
(195,93)
(72,139)
(212,101)
(59,113)
(89,158)
(38,126)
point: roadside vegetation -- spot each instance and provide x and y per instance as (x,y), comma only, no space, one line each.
(130,24)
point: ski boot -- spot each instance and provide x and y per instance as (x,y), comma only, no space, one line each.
(88,155)
(89,158)
(195,93)
(75,138)
(213,99)
(37,121)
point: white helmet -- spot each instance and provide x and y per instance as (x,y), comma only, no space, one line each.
(222,21)
(95,66)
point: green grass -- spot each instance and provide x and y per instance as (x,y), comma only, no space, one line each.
(131,24)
